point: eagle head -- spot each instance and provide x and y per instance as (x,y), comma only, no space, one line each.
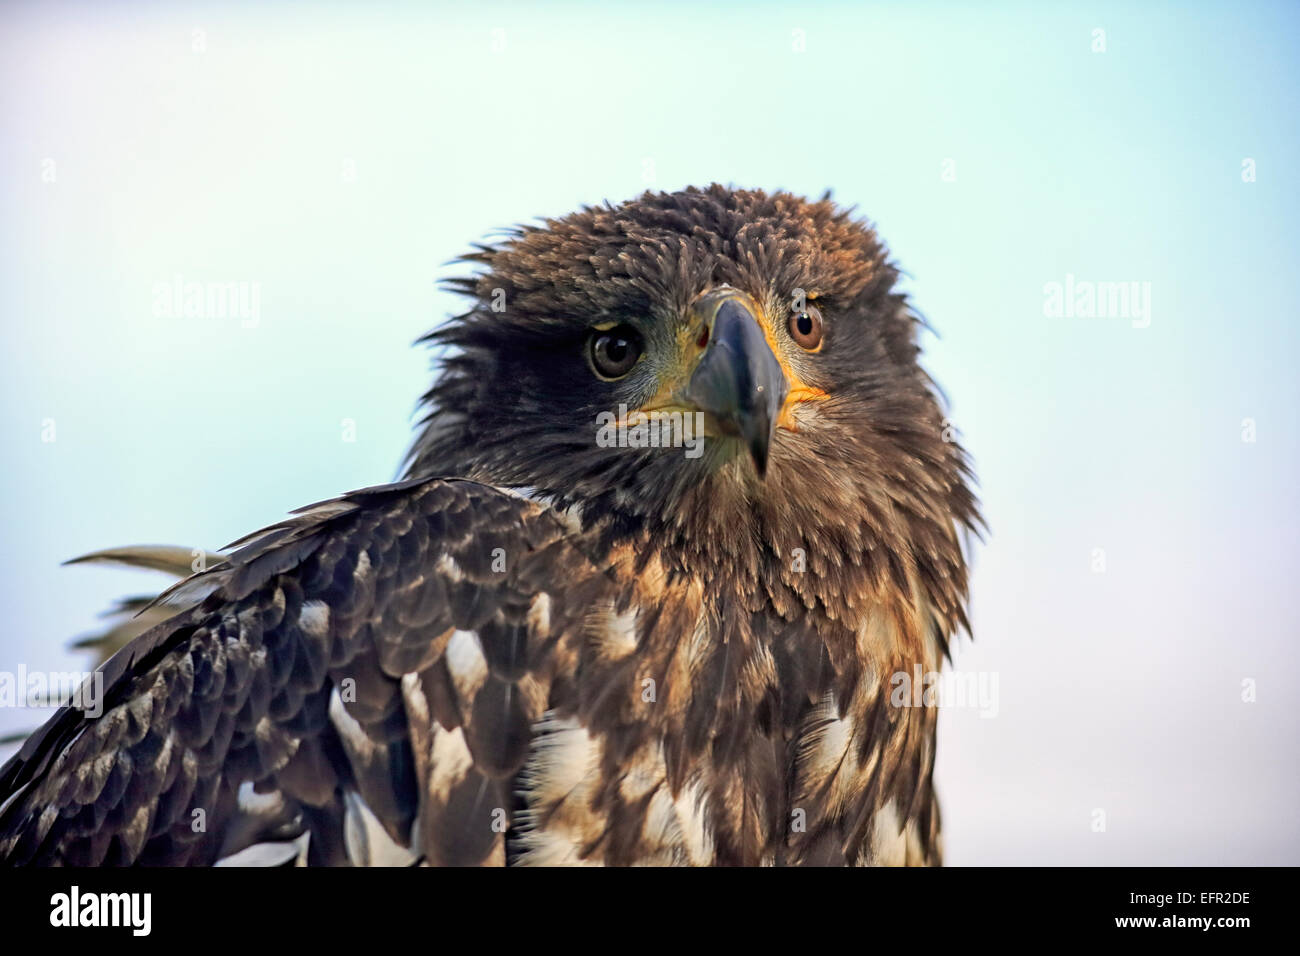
(731,372)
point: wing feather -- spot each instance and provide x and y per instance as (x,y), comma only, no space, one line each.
(327,662)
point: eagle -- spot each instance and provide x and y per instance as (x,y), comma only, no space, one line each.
(682,508)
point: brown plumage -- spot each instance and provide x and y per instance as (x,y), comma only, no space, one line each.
(542,649)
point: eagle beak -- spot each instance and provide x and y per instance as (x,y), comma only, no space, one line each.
(738,381)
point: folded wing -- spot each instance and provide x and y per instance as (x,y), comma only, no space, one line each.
(355,684)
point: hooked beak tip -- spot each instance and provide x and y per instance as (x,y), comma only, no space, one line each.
(758,454)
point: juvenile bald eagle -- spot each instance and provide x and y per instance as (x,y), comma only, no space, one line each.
(581,630)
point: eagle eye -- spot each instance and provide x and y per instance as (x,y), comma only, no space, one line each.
(614,351)
(806,328)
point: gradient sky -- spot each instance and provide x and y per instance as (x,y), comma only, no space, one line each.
(339,157)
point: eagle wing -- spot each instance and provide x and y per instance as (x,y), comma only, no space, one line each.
(365,673)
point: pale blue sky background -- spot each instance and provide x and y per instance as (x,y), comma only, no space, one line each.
(1119,691)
